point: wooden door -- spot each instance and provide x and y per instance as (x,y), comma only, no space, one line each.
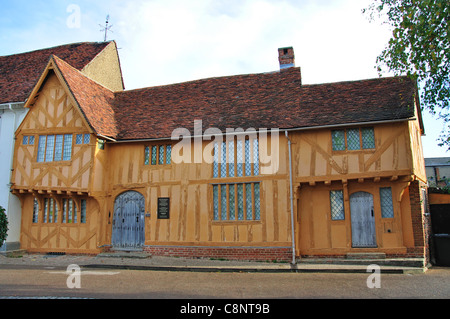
(128,223)
(363,220)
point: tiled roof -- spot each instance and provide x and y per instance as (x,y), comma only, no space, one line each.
(94,100)
(20,72)
(266,100)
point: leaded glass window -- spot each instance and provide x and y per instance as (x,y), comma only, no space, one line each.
(67,154)
(338,140)
(223,163)
(239,158)
(147,155)
(50,148)
(154,154)
(83,211)
(387,207)
(50,210)
(248,164)
(216,202)
(161,155)
(368,137)
(337,205)
(69,211)
(35,211)
(41,149)
(353,139)
(216,161)
(79,139)
(231,158)
(248,202)
(25,140)
(158,155)
(58,147)
(87,138)
(232,203)
(353,142)
(236,202)
(169,154)
(223,201)
(255,157)
(240,201)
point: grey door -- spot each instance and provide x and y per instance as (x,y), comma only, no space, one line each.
(363,220)
(128,223)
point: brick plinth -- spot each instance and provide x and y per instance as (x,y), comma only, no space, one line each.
(279,254)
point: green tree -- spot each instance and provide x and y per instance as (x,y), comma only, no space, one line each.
(419,47)
(3,225)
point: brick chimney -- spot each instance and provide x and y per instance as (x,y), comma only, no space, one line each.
(286,57)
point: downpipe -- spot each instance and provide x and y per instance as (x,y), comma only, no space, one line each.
(291,199)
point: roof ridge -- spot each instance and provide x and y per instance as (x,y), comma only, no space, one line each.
(203,79)
(56,46)
(362,80)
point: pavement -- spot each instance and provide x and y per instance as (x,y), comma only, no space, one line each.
(143,261)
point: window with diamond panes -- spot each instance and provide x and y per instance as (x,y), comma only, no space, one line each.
(236,202)
(353,142)
(387,207)
(368,138)
(236,158)
(353,139)
(35,211)
(338,139)
(337,205)
(28,140)
(158,155)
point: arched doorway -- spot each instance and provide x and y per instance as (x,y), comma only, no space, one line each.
(128,232)
(363,220)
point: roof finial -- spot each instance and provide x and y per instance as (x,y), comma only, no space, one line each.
(106,28)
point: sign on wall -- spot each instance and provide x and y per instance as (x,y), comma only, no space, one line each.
(163,208)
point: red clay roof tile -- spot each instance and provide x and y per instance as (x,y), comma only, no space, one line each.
(266,100)
(20,72)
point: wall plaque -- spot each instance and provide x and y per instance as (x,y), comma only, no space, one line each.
(163,208)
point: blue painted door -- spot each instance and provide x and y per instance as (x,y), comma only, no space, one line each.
(128,231)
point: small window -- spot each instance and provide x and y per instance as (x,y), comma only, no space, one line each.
(50,211)
(35,211)
(69,211)
(83,211)
(387,208)
(28,140)
(353,139)
(158,155)
(337,205)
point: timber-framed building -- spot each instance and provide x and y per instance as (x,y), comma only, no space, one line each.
(339,169)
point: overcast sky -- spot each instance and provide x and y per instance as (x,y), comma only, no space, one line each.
(169,41)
